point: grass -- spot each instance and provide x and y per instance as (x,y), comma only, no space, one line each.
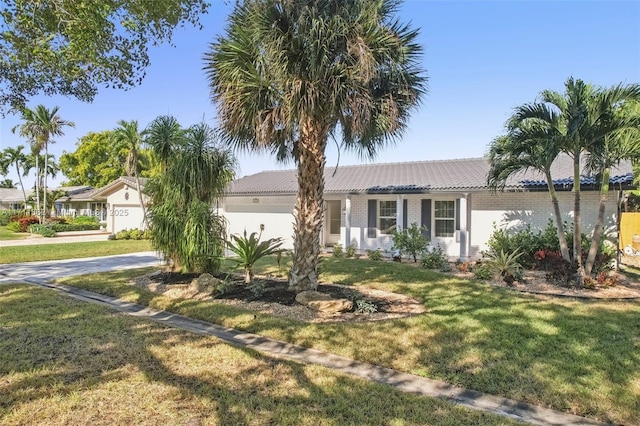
(65,362)
(71,250)
(6,234)
(581,357)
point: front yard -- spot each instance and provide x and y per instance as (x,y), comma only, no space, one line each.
(581,357)
(65,362)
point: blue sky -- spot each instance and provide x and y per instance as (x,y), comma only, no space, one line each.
(483,58)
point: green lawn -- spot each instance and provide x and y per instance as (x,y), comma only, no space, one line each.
(5,234)
(575,356)
(71,250)
(65,362)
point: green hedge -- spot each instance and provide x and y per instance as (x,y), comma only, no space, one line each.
(67,227)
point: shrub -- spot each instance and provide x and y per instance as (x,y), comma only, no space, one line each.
(135,234)
(463,266)
(482,271)
(556,268)
(13,226)
(44,230)
(7,216)
(69,227)
(434,259)
(56,219)
(350,252)
(365,306)
(411,241)
(506,266)
(26,222)
(124,234)
(85,220)
(374,254)
(337,250)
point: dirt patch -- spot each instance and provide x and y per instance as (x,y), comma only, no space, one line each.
(272,296)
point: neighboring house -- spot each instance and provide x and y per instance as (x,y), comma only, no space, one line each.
(79,201)
(117,204)
(365,204)
(121,203)
(11,199)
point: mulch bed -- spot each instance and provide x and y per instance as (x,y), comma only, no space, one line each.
(276,298)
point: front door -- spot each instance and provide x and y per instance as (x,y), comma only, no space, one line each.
(332,222)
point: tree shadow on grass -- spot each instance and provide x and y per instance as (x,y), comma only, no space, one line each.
(54,348)
(571,355)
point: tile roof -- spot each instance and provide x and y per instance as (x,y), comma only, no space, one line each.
(12,195)
(469,174)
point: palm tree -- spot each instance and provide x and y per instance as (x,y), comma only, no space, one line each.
(184,227)
(40,125)
(128,136)
(16,157)
(164,134)
(567,116)
(7,183)
(616,137)
(527,145)
(577,120)
(288,75)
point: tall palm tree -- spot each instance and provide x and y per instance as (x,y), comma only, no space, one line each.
(40,125)
(567,115)
(615,137)
(527,145)
(164,134)
(16,157)
(128,136)
(288,75)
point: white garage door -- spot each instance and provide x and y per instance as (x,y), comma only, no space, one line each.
(275,225)
(126,217)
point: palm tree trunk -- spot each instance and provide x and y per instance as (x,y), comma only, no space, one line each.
(599,227)
(564,247)
(46,164)
(144,210)
(24,193)
(577,227)
(308,211)
(37,186)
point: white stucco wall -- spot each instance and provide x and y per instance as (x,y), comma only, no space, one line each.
(274,212)
(516,210)
(510,210)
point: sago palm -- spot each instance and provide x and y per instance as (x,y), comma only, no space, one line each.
(250,249)
(287,75)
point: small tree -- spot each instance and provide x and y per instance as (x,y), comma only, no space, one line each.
(250,250)
(183,225)
(411,241)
